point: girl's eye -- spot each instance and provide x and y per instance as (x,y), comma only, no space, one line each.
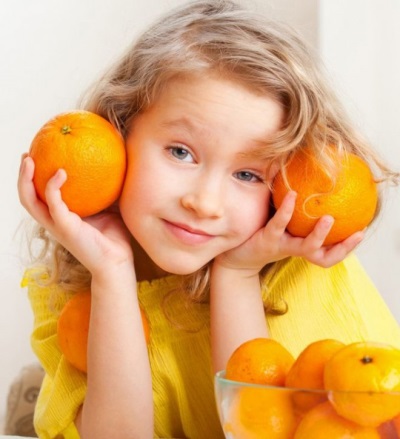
(181,153)
(247,176)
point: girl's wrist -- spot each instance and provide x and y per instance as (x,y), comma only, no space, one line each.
(234,282)
(115,278)
(219,269)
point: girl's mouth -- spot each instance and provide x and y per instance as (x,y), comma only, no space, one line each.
(186,234)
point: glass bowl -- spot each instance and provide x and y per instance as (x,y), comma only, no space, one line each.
(252,411)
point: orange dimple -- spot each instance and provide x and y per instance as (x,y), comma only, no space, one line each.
(90,150)
(364,378)
(308,372)
(350,197)
(73,329)
(261,361)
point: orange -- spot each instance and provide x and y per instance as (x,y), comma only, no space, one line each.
(351,198)
(307,372)
(322,422)
(73,329)
(261,413)
(260,361)
(361,375)
(90,150)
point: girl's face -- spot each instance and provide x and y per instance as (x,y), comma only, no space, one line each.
(192,189)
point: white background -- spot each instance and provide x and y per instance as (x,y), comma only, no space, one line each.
(51,50)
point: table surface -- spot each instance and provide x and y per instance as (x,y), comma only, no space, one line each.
(15,437)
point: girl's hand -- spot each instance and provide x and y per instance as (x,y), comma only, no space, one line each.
(272,243)
(98,242)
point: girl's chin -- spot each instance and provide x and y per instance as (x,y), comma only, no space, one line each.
(182,268)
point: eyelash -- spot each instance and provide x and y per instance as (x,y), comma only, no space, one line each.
(254,178)
(173,149)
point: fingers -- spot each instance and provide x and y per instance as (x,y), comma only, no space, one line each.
(26,189)
(57,208)
(338,252)
(277,224)
(318,235)
(44,213)
(312,246)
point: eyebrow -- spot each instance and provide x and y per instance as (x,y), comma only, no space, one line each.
(182,122)
(190,127)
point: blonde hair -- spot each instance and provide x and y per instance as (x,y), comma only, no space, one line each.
(221,37)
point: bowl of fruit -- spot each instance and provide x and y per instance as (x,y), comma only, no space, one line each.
(330,391)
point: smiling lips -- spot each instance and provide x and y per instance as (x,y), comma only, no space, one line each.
(187,235)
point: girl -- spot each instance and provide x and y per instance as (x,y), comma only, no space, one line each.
(211,101)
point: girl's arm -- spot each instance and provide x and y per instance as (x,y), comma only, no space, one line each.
(119,394)
(237,312)
(119,398)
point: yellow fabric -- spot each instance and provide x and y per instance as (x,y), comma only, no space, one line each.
(339,302)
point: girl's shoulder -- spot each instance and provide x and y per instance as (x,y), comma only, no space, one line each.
(45,298)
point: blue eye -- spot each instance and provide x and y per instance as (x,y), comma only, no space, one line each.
(247,176)
(181,153)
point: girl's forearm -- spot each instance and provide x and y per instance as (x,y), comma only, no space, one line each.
(237,312)
(119,395)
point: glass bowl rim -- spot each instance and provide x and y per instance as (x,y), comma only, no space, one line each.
(219,378)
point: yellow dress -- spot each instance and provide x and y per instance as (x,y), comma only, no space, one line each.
(339,302)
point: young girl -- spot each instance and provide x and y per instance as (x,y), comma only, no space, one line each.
(211,101)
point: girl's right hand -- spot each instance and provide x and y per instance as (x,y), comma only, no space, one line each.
(97,242)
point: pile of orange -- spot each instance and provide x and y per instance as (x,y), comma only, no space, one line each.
(73,329)
(348,193)
(90,150)
(332,390)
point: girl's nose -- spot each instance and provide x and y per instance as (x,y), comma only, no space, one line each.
(204,203)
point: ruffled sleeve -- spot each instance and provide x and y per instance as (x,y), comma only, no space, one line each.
(340,302)
(64,387)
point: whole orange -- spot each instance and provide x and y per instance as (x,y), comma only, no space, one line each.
(350,196)
(322,422)
(73,329)
(257,413)
(364,378)
(307,372)
(90,150)
(260,361)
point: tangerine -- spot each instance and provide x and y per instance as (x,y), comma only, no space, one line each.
(323,422)
(350,196)
(364,378)
(307,372)
(260,361)
(73,329)
(92,153)
(257,412)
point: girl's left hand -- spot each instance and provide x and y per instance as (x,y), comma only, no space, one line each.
(273,243)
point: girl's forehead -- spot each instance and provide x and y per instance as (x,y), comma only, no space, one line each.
(209,103)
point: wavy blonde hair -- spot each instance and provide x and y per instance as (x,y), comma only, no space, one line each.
(221,37)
